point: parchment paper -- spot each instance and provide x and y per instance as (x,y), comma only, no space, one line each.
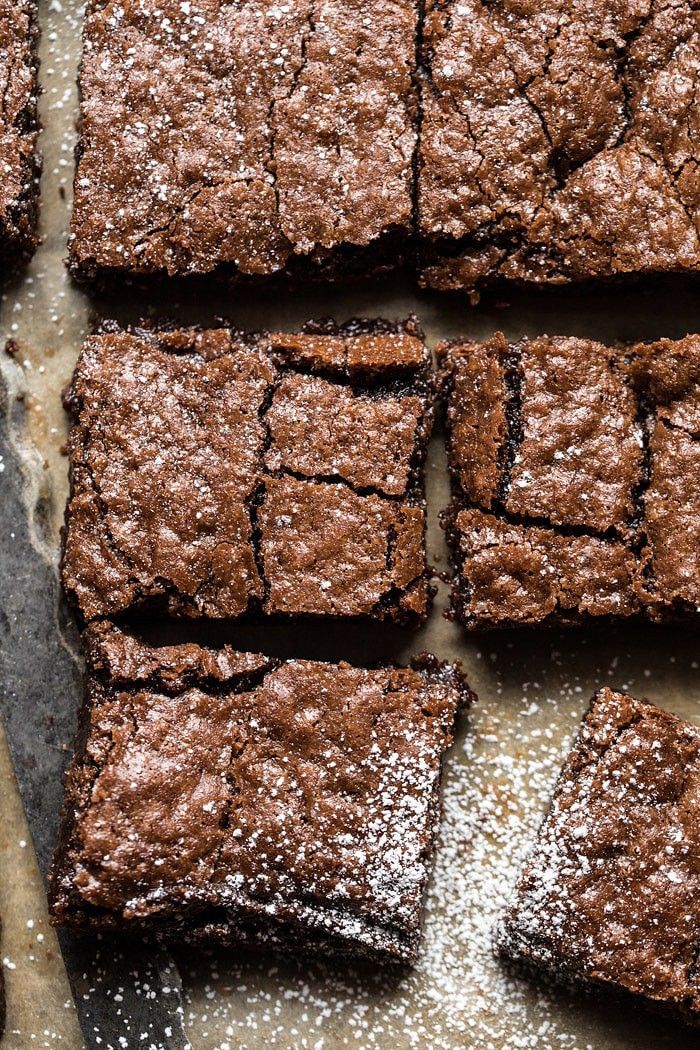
(533,689)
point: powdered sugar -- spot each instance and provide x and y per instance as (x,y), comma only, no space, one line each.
(458,995)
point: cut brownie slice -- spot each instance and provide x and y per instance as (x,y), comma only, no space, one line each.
(251,138)
(609,895)
(577,479)
(557,141)
(223,795)
(509,574)
(667,376)
(217,474)
(19,161)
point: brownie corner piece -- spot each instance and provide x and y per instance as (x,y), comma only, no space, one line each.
(204,462)
(232,171)
(223,796)
(19,157)
(609,895)
(551,147)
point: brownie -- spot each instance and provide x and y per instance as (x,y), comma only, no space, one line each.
(609,895)
(219,795)
(226,475)
(576,471)
(19,161)
(559,141)
(248,138)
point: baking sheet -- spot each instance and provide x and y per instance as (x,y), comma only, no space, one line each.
(533,690)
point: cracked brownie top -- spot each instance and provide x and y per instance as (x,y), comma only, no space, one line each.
(559,140)
(609,894)
(217,474)
(243,135)
(576,470)
(228,795)
(19,162)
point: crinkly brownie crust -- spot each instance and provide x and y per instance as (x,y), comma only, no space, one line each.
(227,796)
(576,473)
(546,143)
(19,160)
(249,138)
(609,895)
(223,475)
(559,140)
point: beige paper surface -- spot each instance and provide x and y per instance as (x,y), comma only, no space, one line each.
(40,1010)
(533,688)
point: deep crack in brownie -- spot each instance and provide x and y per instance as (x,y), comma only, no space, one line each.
(248,138)
(559,140)
(219,474)
(224,795)
(576,472)
(19,160)
(609,896)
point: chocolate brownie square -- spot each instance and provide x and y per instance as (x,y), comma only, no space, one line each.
(219,795)
(248,138)
(559,142)
(667,375)
(576,469)
(219,474)
(19,161)
(609,895)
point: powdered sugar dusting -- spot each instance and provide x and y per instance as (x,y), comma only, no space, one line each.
(458,994)
(499,778)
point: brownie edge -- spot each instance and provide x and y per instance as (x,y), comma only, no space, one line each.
(229,797)
(19,128)
(609,895)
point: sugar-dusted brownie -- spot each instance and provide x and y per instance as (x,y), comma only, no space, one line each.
(19,161)
(559,141)
(250,138)
(576,471)
(228,796)
(610,894)
(219,474)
